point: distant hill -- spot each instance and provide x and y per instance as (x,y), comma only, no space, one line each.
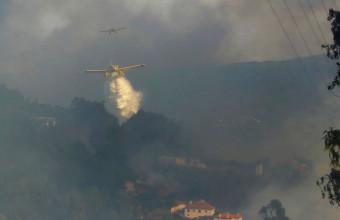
(238,105)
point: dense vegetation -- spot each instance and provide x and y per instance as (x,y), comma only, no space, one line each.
(330,183)
(77,168)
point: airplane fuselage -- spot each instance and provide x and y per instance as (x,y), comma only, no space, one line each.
(115,70)
(115,73)
(113,30)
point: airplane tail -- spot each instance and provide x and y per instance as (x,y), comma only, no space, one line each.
(115,67)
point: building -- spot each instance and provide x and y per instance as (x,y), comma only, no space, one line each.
(227,216)
(199,209)
(177,208)
(259,170)
(45,121)
(181,161)
(130,187)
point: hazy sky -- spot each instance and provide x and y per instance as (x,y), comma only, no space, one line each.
(48,44)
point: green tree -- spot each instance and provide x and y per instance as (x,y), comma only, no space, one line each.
(273,211)
(333,49)
(330,183)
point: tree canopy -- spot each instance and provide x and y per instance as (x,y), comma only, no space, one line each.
(273,211)
(330,183)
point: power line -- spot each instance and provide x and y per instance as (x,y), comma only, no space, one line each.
(324,6)
(297,27)
(309,50)
(314,33)
(318,24)
(300,60)
(335,94)
(305,42)
(310,23)
(283,29)
(317,21)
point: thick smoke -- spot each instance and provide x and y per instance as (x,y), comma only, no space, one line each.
(301,202)
(121,99)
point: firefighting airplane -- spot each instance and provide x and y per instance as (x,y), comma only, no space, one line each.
(113,30)
(115,70)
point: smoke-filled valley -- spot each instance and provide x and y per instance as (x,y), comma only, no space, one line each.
(76,163)
(230,107)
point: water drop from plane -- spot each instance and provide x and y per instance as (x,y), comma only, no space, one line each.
(121,99)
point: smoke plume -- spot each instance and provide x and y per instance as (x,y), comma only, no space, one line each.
(121,99)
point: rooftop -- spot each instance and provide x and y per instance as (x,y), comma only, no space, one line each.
(228,215)
(201,204)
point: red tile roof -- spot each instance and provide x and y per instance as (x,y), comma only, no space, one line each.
(228,215)
(200,205)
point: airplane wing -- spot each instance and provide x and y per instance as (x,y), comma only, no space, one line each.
(95,70)
(123,69)
(108,31)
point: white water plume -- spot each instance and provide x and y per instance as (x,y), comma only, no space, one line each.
(121,99)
